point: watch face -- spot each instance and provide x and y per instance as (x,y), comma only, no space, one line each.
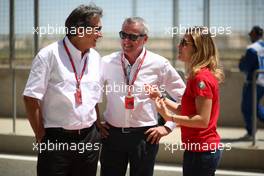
(163,96)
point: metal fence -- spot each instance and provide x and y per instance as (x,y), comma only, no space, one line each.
(239,15)
(19,19)
(255,104)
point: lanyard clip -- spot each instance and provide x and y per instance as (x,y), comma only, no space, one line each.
(78,84)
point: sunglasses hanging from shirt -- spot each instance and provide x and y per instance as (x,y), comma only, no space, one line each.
(78,93)
(130,99)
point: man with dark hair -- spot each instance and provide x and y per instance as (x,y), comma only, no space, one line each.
(253,60)
(61,98)
(80,20)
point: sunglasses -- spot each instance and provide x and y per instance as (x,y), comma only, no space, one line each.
(185,42)
(132,37)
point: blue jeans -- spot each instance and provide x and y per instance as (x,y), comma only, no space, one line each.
(200,163)
(246,105)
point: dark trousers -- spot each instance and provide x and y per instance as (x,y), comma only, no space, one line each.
(69,153)
(200,163)
(120,148)
(246,105)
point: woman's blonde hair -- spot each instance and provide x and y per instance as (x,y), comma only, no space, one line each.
(205,54)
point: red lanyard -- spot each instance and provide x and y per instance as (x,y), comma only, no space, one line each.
(136,73)
(78,80)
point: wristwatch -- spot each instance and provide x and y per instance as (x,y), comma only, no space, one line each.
(163,96)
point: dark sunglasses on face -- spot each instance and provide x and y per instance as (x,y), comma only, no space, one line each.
(132,37)
(185,42)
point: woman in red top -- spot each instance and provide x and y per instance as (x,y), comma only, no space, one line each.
(199,108)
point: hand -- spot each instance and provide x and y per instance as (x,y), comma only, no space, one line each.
(39,135)
(155,134)
(103,129)
(153,91)
(163,110)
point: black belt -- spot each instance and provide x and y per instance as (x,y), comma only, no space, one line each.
(66,131)
(130,129)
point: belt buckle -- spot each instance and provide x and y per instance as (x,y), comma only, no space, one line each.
(125,130)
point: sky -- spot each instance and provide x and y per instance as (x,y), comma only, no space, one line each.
(241,15)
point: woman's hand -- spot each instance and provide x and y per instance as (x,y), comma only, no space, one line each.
(153,91)
(163,110)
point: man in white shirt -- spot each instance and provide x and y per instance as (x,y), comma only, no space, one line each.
(60,98)
(130,132)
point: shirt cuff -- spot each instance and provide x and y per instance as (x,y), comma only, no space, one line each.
(171,125)
(32,94)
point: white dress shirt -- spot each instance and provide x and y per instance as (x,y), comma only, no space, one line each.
(155,70)
(52,81)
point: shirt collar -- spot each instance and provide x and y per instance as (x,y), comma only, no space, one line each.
(138,58)
(75,53)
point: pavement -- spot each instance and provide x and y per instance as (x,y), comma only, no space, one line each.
(236,162)
(228,134)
